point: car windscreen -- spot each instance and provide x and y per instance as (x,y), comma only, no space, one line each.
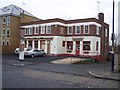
(28,49)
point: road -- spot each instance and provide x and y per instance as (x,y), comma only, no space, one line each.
(40,73)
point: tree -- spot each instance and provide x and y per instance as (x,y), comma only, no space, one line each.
(117,42)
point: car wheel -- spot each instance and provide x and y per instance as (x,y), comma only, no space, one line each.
(32,55)
(43,55)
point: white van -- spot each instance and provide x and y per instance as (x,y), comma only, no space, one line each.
(17,51)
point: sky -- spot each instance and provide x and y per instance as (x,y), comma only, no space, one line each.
(67,9)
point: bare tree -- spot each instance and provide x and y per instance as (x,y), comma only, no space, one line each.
(117,42)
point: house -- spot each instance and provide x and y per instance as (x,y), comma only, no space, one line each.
(84,37)
(11,18)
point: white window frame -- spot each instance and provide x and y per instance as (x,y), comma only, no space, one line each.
(36,30)
(68,31)
(3,20)
(42,29)
(76,29)
(106,32)
(3,34)
(84,29)
(30,31)
(48,28)
(97,30)
(26,31)
(8,20)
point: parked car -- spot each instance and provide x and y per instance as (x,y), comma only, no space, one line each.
(34,52)
(17,51)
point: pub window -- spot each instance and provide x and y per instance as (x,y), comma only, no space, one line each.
(70,30)
(86,29)
(69,45)
(97,30)
(63,43)
(42,29)
(48,30)
(86,45)
(77,31)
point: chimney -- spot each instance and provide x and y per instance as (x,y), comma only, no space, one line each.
(101,17)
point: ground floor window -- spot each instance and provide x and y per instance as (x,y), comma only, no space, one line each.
(63,44)
(69,45)
(42,43)
(86,45)
(29,44)
(36,44)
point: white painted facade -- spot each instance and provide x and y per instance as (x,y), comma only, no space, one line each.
(56,47)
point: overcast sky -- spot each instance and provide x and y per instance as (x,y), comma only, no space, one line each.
(67,9)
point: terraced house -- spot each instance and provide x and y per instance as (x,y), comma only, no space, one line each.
(84,37)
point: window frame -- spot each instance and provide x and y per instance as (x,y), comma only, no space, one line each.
(97,30)
(4,20)
(85,29)
(48,28)
(76,29)
(88,43)
(8,20)
(30,31)
(68,30)
(42,30)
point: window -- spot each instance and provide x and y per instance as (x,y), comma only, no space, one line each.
(30,31)
(77,31)
(70,30)
(48,30)
(8,32)
(8,20)
(36,44)
(42,29)
(86,29)
(97,46)
(42,44)
(86,45)
(69,45)
(3,42)
(63,43)
(97,30)
(3,32)
(106,32)
(4,20)
(36,30)
(26,31)
(7,43)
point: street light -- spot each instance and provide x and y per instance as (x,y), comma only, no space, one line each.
(113,36)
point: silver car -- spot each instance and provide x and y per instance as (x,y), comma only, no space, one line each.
(34,52)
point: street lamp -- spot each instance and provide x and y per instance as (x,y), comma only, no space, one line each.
(113,36)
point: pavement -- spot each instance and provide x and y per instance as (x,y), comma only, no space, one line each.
(99,74)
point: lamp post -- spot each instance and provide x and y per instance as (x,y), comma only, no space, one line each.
(113,36)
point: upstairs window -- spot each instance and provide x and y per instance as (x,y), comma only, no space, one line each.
(70,30)
(30,31)
(3,32)
(77,30)
(8,20)
(4,20)
(42,29)
(48,30)
(36,30)
(8,32)
(26,31)
(106,32)
(97,30)
(86,29)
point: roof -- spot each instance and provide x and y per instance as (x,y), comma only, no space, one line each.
(13,10)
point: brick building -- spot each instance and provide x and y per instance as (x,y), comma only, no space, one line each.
(11,18)
(84,37)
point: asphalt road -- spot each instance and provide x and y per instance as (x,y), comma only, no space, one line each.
(40,73)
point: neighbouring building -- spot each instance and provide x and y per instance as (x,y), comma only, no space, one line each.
(84,37)
(11,18)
